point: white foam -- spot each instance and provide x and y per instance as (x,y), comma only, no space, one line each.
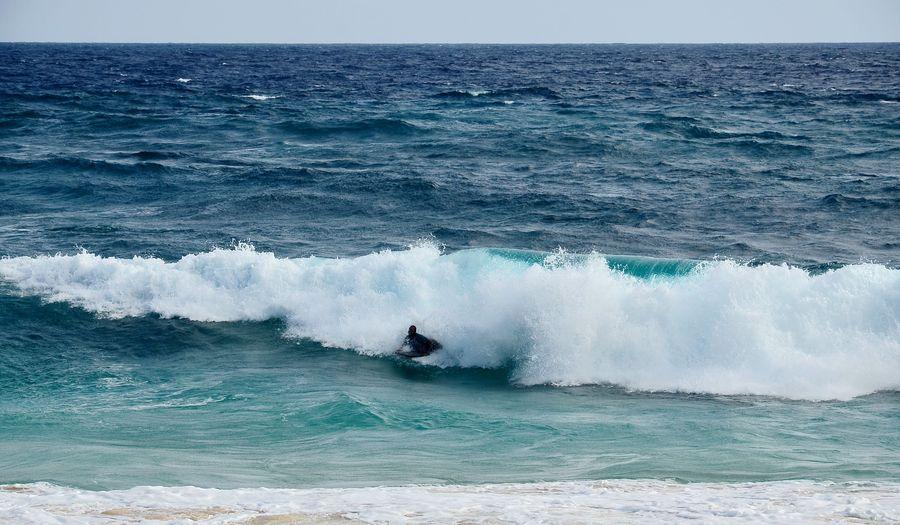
(725,328)
(617,501)
(261,97)
(183,80)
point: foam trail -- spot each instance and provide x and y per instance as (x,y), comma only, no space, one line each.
(718,327)
(613,501)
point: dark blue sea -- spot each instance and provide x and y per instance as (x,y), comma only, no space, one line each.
(654,269)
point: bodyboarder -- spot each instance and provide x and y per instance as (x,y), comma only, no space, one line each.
(417,345)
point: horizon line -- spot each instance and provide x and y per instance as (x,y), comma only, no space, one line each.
(335,43)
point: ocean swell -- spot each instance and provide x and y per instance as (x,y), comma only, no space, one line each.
(717,327)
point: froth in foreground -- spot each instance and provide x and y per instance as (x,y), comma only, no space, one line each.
(619,501)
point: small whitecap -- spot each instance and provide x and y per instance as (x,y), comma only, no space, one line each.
(507,102)
(183,80)
(888,101)
(261,97)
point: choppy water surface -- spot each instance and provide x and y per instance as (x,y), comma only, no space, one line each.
(781,153)
(745,329)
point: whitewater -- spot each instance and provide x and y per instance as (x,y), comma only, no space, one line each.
(717,327)
(624,501)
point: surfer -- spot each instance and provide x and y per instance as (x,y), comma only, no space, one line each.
(417,345)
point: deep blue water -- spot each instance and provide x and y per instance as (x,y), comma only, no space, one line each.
(685,357)
(775,153)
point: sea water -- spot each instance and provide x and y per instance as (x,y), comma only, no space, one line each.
(665,279)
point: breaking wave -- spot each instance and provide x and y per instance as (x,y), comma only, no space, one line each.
(647,324)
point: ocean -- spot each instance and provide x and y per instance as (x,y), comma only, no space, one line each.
(666,280)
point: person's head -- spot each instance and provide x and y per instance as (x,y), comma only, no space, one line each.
(412,329)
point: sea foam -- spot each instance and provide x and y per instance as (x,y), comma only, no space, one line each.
(716,327)
(614,501)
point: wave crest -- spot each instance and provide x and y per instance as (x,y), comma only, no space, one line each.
(718,327)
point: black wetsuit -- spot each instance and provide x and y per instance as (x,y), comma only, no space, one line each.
(418,345)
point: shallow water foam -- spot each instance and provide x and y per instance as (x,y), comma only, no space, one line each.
(622,501)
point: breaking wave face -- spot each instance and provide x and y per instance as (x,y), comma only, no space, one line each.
(646,324)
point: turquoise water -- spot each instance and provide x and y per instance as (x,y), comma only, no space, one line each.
(642,267)
(102,403)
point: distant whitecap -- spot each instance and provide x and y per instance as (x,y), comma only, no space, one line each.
(261,97)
